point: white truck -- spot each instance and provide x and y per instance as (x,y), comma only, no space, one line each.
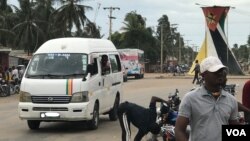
(64,82)
(133,61)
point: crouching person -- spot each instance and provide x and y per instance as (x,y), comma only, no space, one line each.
(144,119)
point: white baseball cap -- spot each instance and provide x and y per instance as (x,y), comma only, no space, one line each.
(211,64)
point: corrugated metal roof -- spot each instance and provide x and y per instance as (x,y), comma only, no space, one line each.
(5,49)
(20,54)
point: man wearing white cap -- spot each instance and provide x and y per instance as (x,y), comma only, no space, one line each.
(208,107)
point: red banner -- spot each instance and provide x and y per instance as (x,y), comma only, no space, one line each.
(213,15)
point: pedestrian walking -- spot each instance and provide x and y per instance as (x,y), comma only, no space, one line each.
(196,71)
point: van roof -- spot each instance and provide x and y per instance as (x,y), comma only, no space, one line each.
(76,45)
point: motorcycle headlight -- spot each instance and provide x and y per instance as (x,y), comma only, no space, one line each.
(24,96)
(80,97)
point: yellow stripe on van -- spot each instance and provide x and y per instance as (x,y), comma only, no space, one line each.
(69,86)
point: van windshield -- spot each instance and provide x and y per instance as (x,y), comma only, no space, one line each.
(57,65)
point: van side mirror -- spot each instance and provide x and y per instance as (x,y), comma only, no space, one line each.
(89,70)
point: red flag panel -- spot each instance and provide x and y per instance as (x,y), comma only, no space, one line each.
(213,15)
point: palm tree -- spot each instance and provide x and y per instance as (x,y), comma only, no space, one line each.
(27,30)
(90,31)
(68,16)
(43,9)
(137,35)
(6,23)
(248,40)
(135,29)
(164,23)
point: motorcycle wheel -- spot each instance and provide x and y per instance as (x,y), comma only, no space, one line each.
(4,91)
(17,89)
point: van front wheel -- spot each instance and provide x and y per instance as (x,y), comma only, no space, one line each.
(113,112)
(33,124)
(93,123)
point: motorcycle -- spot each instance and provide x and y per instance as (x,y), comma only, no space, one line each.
(166,116)
(230,88)
(14,86)
(3,88)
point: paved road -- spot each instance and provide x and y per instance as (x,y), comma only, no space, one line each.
(138,91)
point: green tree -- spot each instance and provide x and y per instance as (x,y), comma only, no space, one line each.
(174,47)
(43,9)
(235,51)
(164,31)
(27,30)
(248,40)
(90,31)
(117,39)
(69,15)
(7,21)
(179,45)
(243,53)
(137,35)
(134,27)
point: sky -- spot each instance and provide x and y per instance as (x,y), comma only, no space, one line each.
(186,13)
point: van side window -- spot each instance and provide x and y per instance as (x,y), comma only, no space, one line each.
(95,67)
(105,65)
(115,63)
(117,57)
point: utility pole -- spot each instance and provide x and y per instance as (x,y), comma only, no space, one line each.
(188,57)
(180,48)
(194,48)
(173,28)
(161,47)
(110,18)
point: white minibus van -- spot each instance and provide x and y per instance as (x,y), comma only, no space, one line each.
(66,81)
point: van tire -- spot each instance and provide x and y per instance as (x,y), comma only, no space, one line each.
(125,79)
(93,123)
(137,76)
(33,124)
(113,112)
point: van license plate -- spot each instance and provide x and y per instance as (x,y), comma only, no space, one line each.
(49,115)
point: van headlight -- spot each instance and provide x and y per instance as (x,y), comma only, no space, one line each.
(24,97)
(80,97)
